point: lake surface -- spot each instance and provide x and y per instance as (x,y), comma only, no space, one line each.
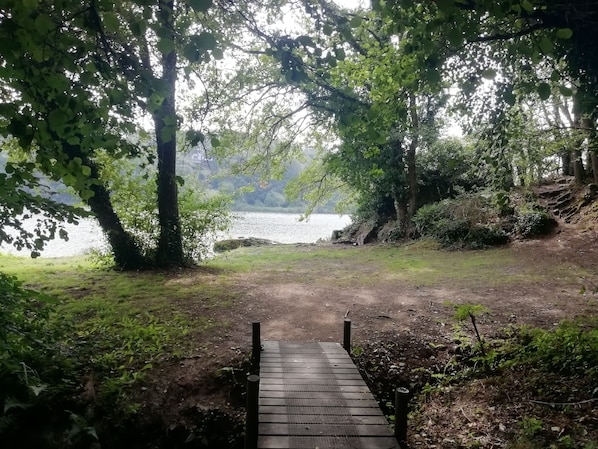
(279,227)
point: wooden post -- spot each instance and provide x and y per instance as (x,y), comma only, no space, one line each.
(256,349)
(347,336)
(401,408)
(252,415)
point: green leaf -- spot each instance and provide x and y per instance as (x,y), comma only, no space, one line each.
(30,4)
(306,41)
(555,76)
(546,45)
(137,28)
(356,22)
(86,170)
(168,133)
(543,90)
(446,6)
(564,33)
(489,74)
(165,45)
(111,22)
(527,6)
(455,37)
(180,181)
(566,91)
(200,5)
(218,54)
(73,140)
(194,137)
(204,41)
(11,403)
(191,53)
(215,141)
(339,53)
(433,76)
(509,98)
(44,24)
(327,30)
(57,120)
(37,389)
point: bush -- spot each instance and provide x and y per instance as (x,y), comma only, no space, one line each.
(532,223)
(468,221)
(28,349)
(571,349)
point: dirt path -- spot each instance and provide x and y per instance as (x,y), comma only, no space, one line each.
(291,309)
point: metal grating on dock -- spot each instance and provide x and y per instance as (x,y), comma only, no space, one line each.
(312,396)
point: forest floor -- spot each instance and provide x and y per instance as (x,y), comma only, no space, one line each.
(402,326)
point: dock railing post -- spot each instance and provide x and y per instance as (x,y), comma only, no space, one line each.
(252,416)
(401,408)
(347,336)
(256,349)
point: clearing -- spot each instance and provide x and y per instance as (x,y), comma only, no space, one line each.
(396,297)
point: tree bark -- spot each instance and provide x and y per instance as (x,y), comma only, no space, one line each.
(578,168)
(592,148)
(170,248)
(411,170)
(125,250)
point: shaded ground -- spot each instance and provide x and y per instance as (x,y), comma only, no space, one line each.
(400,326)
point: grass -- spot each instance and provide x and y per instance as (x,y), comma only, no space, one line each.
(419,264)
(119,324)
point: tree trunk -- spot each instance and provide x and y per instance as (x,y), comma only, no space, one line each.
(578,168)
(567,166)
(124,248)
(592,156)
(411,170)
(170,248)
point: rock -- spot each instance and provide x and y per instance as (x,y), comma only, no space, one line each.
(222,246)
(366,235)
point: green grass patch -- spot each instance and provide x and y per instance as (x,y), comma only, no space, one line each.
(116,324)
(419,265)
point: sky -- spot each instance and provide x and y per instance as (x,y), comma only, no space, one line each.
(351,3)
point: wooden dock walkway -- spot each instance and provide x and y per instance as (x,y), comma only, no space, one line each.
(312,396)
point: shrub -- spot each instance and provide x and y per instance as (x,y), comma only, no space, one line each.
(28,349)
(571,349)
(533,222)
(468,221)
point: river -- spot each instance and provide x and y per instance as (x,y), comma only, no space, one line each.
(279,227)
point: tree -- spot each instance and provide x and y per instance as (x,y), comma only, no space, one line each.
(359,81)
(78,76)
(521,48)
(53,108)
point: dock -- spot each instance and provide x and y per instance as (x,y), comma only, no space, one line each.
(311,396)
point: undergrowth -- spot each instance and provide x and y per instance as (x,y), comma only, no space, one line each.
(67,363)
(544,380)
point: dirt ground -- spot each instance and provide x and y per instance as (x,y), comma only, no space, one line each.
(289,309)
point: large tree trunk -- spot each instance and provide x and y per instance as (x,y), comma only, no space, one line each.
(592,164)
(124,248)
(411,170)
(127,254)
(567,166)
(170,248)
(578,168)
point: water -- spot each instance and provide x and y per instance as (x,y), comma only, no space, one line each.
(279,227)
(286,228)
